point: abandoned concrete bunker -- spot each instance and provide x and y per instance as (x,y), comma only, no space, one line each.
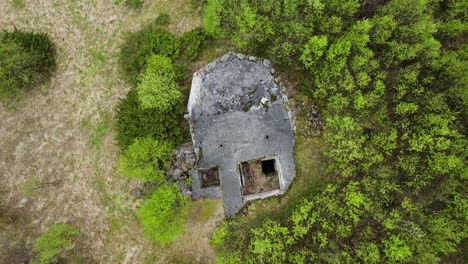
(241,131)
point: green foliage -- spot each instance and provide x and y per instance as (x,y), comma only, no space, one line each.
(146,159)
(135,122)
(54,242)
(192,43)
(157,88)
(227,240)
(253,28)
(25,59)
(38,43)
(17,67)
(212,18)
(396,250)
(269,243)
(135,4)
(140,45)
(313,50)
(390,77)
(163,19)
(162,215)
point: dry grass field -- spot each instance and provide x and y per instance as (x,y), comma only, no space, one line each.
(57,148)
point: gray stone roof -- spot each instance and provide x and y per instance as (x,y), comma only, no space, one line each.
(237,112)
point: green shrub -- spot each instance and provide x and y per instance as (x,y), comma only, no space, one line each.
(38,43)
(54,243)
(212,18)
(17,67)
(134,3)
(157,88)
(134,122)
(146,159)
(138,46)
(228,241)
(162,215)
(26,59)
(163,19)
(192,43)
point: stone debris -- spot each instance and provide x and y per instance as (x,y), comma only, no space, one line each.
(136,193)
(311,119)
(184,161)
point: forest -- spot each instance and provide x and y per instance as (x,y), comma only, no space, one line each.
(381,175)
(389,77)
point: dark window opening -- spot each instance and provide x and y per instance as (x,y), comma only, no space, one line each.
(210,177)
(268,166)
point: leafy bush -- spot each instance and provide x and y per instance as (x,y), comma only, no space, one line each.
(54,242)
(134,3)
(25,59)
(140,45)
(192,43)
(135,122)
(157,88)
(146,159)
(228,240)
(212,18)
(38,43)
(163,19)
(162,215)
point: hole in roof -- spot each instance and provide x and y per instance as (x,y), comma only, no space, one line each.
(258,176)
(268,166)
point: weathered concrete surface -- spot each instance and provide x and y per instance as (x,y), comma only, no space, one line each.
(238,112)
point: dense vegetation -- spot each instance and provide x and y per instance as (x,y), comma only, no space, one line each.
(26,59)
(149,120)
(390,77)
(146,159)
(163,214)
(54,243)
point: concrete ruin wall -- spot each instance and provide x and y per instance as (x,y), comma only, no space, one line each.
(238,112)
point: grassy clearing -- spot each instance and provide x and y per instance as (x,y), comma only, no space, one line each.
(202,210)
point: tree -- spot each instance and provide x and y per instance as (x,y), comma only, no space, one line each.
(54,242)
(162,215)
(157,87)
(135,122)
(140,45)
(17,67)
(390,79)
(192,42)
(25,59)
(146,159)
